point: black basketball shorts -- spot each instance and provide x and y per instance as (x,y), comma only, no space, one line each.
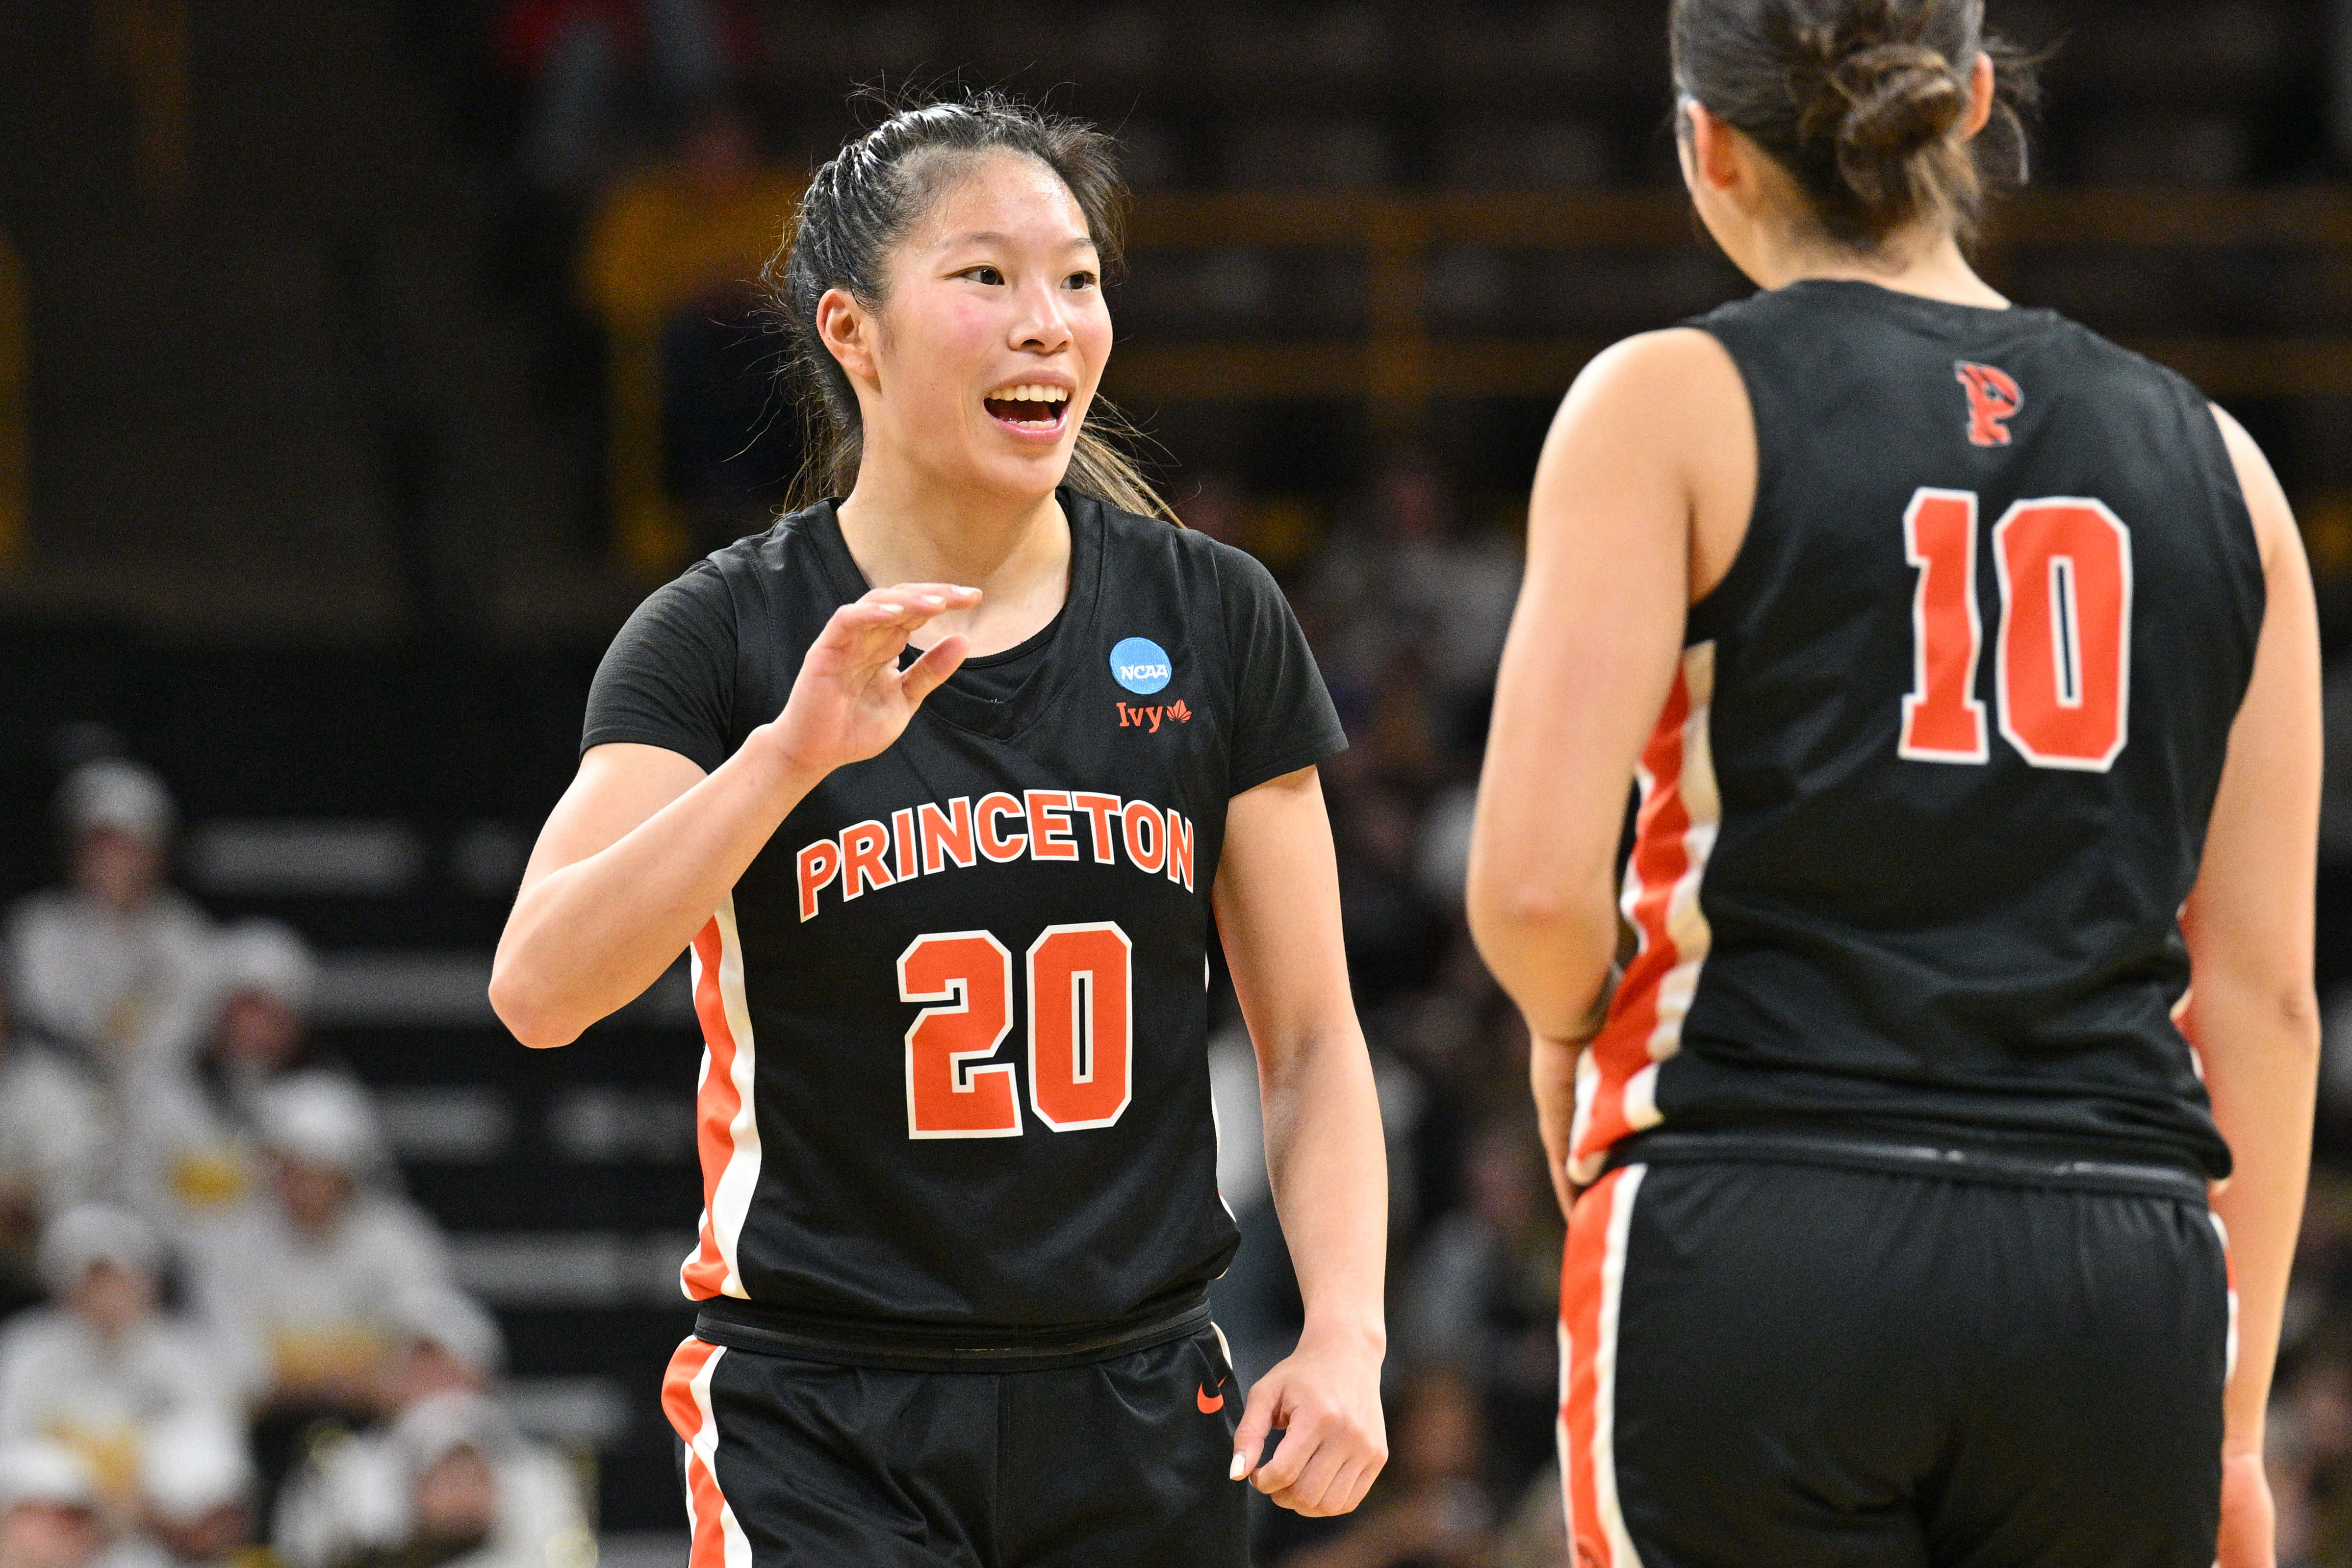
(1113,1464)
(1766,1364)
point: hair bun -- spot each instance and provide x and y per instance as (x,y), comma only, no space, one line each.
(1896,98)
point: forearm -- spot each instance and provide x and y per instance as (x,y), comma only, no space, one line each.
(1552,957)
(1329,1171)
(2262,1062)
(589,938)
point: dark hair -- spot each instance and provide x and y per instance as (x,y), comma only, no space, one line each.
(862,204)
(1861,101)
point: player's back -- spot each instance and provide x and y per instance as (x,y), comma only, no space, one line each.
(1920,817)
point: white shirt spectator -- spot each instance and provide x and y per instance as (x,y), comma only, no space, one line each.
(55,1132)
(101,1372)
(59,1380)
(116,961)
(297,1307)
(358,1500)
(133,987)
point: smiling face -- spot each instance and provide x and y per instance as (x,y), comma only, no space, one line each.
(977,369)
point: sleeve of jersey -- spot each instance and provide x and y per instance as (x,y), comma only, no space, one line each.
(1283,719)
(669,679)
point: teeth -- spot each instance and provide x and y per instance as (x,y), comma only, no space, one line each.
(1030,393)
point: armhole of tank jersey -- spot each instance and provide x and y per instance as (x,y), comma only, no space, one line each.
(1705,620)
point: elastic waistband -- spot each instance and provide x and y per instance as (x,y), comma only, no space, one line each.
(1896,1157)
(763,1330)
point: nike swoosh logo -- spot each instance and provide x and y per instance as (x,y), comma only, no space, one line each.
(1211,1406)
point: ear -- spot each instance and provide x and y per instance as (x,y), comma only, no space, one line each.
(1980,87)
(1715,154)
(847,332)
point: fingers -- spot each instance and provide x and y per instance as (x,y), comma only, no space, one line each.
(872,629)
(1257,1420)
(939,662)
(919,601)
(1313,1490)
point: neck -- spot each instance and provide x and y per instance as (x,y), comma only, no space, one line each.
(901,529)
(1925,262)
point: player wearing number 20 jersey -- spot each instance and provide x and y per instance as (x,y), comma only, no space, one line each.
(954,1091)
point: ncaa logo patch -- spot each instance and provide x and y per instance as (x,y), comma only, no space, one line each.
(1141,665)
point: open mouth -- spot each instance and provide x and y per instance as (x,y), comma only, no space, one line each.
(1038,410)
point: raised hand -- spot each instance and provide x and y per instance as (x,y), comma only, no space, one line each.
(851,700)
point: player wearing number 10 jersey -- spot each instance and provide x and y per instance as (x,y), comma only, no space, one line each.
(946,857)
(1953,651)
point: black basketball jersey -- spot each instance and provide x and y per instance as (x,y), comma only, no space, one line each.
(1932,785)
(955,1013)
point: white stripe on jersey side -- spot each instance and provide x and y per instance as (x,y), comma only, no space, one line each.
(1703,802)
(706,1448)
(1604,1374)
(730,1199)
(1687,923)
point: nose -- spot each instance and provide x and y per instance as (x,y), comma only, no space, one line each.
(1041,325)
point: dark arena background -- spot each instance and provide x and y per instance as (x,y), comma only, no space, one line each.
(362,364)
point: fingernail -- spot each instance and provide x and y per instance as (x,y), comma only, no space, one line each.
(893,609)
(1240,1464)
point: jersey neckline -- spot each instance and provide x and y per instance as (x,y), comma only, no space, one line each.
(1936,315)
(1071,628)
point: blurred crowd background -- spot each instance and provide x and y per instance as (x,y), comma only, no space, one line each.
(363,361)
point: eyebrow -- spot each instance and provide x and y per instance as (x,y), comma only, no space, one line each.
(987,237)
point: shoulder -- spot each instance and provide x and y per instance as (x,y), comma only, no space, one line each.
(1658,395)
(1675,360)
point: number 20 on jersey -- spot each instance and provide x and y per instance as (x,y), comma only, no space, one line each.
(2062,659)
(1081,1056)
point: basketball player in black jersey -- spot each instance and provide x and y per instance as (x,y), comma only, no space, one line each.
(949,914)
(1955,651)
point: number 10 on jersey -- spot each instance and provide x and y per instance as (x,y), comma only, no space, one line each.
(1081,1056)
(2062,670)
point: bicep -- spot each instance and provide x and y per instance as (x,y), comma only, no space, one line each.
(1277,904)
(2250,914)
(619,786)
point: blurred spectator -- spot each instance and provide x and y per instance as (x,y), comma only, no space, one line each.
(1429,1508)
(53,1146)
(586,65)
(669,265)
(115,962)
(1413,579)
(301,1287)
(1482,1298)
(453,1480)
(48,1509)
(195,1485)
(195,1151)
(303,1284)
(347,1494)
(102,1370)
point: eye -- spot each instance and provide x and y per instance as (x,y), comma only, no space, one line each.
(983,273)
(1081,281)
